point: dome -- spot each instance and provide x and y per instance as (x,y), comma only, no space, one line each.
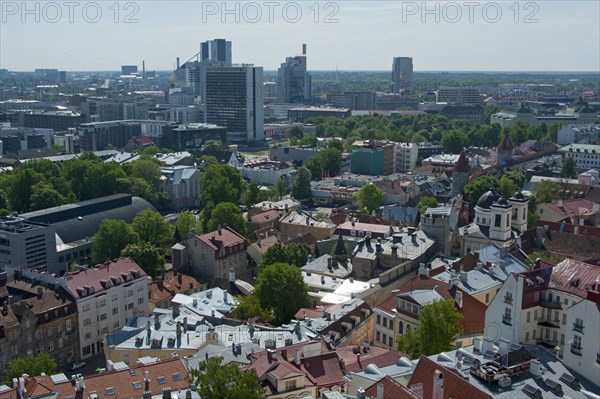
(373,369)
(519,195)
(501,201)
(487,199)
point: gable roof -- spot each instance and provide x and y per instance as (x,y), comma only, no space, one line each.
(454,386)
(226,236)
(392,389)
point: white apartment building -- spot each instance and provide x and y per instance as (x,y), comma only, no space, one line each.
(582,134)
(106,295)
(405,156)
(543,306)
(586,156)
(582,346)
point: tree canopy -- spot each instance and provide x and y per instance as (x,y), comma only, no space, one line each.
(292,253)
(301,188)
(369,198)
(438,326)
(221,183)
(152,228)
(281,289)
(215,380)
(30,365)
(111,238)
(546,191)
(426,202)
(568,169)
(227,214)
(476,188)
(147,256)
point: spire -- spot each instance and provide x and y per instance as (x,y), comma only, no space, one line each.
(462,164)
(506,144)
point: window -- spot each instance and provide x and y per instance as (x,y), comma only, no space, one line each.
(140,301)
(59,327)
(576,345)
(86,307)
(528,316)
(130,293)
(87,350)
(103,316)
(49,331)
(378,319)
(115,311)
(68,326)
(507,318)
(289,385)
(87,322)
(527,336)
(498,221)
(564,320)
(384,338)
(391,341)
(110,391)
(40,350)
(50,347)
(130,306)
(101,303)
(562,339)
(29,338)
(140,287)
(137,385)
(162,380)
(176,377)
(508,298)
(384,322)
(60,343)
(114,297)
(400,327)
(578,325)
(88,336)
(126,361)
(377,336)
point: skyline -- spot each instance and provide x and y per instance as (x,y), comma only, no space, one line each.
(164,33)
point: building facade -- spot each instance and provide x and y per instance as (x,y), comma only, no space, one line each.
(402,75)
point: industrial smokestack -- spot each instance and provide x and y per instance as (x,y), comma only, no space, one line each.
(144,70)
(304,49)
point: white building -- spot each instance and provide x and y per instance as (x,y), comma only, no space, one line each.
(106,296)
(543,305)
(582,346)
(582,134)
(586,156)
(182,183)
(497,220)
(405,156)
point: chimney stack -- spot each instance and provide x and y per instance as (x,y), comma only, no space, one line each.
(304,49)
(380,390)
(232,275)
(438,385)
(40,292)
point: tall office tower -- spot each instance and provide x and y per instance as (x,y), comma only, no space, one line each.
(234,99)
(216,51)
(294,83)
(402,75)
(213,53)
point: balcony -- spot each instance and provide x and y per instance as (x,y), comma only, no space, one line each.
(551,304)
(548,323)
(578,328)
(576,349)
(507,320)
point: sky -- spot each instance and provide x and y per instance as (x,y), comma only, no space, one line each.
(543,35)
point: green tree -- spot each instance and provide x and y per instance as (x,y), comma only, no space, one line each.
(281,187)
(19,186)
(426,202)
(227,214)
(215,380)
(437,329)
(248,307)
(296,132)
(517,177)
(292,253)
(111,238)
(506,187)
(221,183)
(476,188)
(337,144)
(30,365)
(369,198)
(332,161)
(147,256)
(546,191)
(212,145)
(252,195)
(152,228)
(4,202)
(281,288)
(455,141)
(568,169)
(101,179)
(185,223)
(146,169)
(314,164)
(301,187)
(43,196)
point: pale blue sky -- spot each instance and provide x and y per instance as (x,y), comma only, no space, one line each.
(367,36)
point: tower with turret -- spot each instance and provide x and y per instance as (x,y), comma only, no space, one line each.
(460,175)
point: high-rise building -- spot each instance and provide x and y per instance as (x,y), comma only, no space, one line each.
(294,83)
(402,75)
(213,53)
(234,99)
(217,50)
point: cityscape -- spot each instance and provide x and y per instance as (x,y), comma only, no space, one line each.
(291,200)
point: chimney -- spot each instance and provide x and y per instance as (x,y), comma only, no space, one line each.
(535,368)
(304,49)
(185,324)
(559,203)
(40,292)
(380,390)
(148,327)
(438,385)
(297,357)
(423,270)
(147,378)
(232,275)
(479,266)
(188,394)
(156,321)
(459,299)
(360,394)
(219,229)
(503,346)
(464,276)
(178,64)
(166,394)
(487,344)
(394,251)
(453,280)
(179,279)
(476,344)
(178,329)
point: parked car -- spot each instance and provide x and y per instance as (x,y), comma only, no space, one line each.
(77,366)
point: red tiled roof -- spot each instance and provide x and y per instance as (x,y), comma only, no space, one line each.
(170,286)
(392,389)
(324,370)
(49,300)
(569,228)
(226,237)
(577,206)
(356,359)
(573,276)
(265,216)
(263,245)
(462,164)
(505,143)
(454,386)
(311,313)
(121,381)
(108,271)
